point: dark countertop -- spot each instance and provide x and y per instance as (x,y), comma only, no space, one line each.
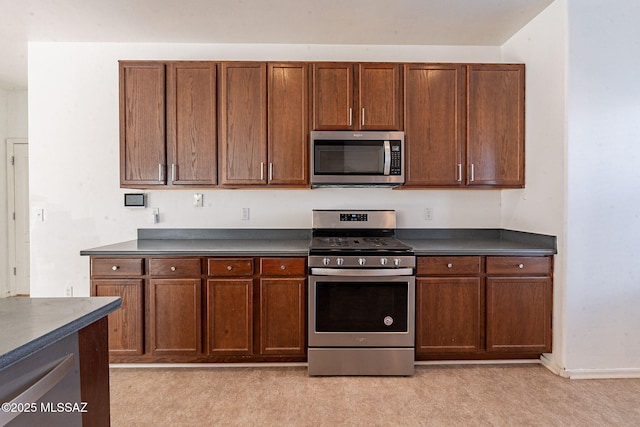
(454,242)
(295,242)
(30,324)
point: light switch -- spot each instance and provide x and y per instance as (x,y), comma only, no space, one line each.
(38,215)
(197,200)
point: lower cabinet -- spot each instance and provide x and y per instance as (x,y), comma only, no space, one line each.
(519,304)
(483,307)
(195,309)
(229,308)
(450,313)
(282,306)
(126,323)
(175,316)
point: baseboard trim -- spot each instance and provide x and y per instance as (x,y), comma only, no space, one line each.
(304,364)
(601,374)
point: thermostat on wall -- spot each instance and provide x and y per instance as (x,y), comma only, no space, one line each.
(135,200)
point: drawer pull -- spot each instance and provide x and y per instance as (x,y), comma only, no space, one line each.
(520,265)
(173,268)
(229,267)
(282,267)
(115,267)
(449,265)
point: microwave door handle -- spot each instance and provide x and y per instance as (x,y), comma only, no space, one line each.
(387,158)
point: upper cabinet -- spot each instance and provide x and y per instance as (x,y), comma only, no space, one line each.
(434,124)
(496,125)
(238,124)
(264,124)
(464,125)
(288,124)
(143,154)
(357,96)
(243,123)
(168,130)
(191,117)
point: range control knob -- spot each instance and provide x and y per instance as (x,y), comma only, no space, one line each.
(396,261)
(362,261)
(340,261)
(326,261)
(383,261)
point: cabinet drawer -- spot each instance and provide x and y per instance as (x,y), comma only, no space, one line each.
(230,267)
(119,267)
(451,265)
(174,267)
(282,267)
(518,265)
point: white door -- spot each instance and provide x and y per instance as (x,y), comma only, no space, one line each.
(18,215)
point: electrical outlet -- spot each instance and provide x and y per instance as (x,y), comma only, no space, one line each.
(244,214)
(428,214)
(197,200)
(69,291)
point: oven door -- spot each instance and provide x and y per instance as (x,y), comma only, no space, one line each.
(357,311)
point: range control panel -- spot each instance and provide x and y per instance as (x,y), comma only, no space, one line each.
(354,217)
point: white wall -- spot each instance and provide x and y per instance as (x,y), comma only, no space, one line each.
(73,119)
(540,206)
(603,187)
(13,124)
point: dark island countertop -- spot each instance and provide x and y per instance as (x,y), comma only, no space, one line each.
(295,242)
(31,324)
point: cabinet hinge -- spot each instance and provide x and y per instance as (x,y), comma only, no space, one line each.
(15,272)
(13,160)
(14,216)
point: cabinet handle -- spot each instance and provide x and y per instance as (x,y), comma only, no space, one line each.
(282,267)
(520,265)
(449,265)
(261,171)
(173,268)
(362,116)
(160,174)
(350,116)
(173,171)
(270,171)
(473,173)
(114,268)
(459,172)
(229,268)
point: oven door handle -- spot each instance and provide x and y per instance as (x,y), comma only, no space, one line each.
(362,272)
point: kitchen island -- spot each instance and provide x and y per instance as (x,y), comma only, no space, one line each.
(53,361)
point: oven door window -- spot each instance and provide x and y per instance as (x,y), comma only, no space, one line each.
(361,307)
(348,158)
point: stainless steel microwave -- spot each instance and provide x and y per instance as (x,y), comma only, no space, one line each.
(347,158)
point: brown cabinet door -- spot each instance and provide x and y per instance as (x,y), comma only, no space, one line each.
(496,125)
(175,316)
(519,314)
(449,315)
(229,326)
(282,316)
(434,125)
(126,323)
(191,120)
(243,123)
(142,124)
(333,96)
(288,128)
(379,97)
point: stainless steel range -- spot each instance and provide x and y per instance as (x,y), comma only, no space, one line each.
(361,295)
